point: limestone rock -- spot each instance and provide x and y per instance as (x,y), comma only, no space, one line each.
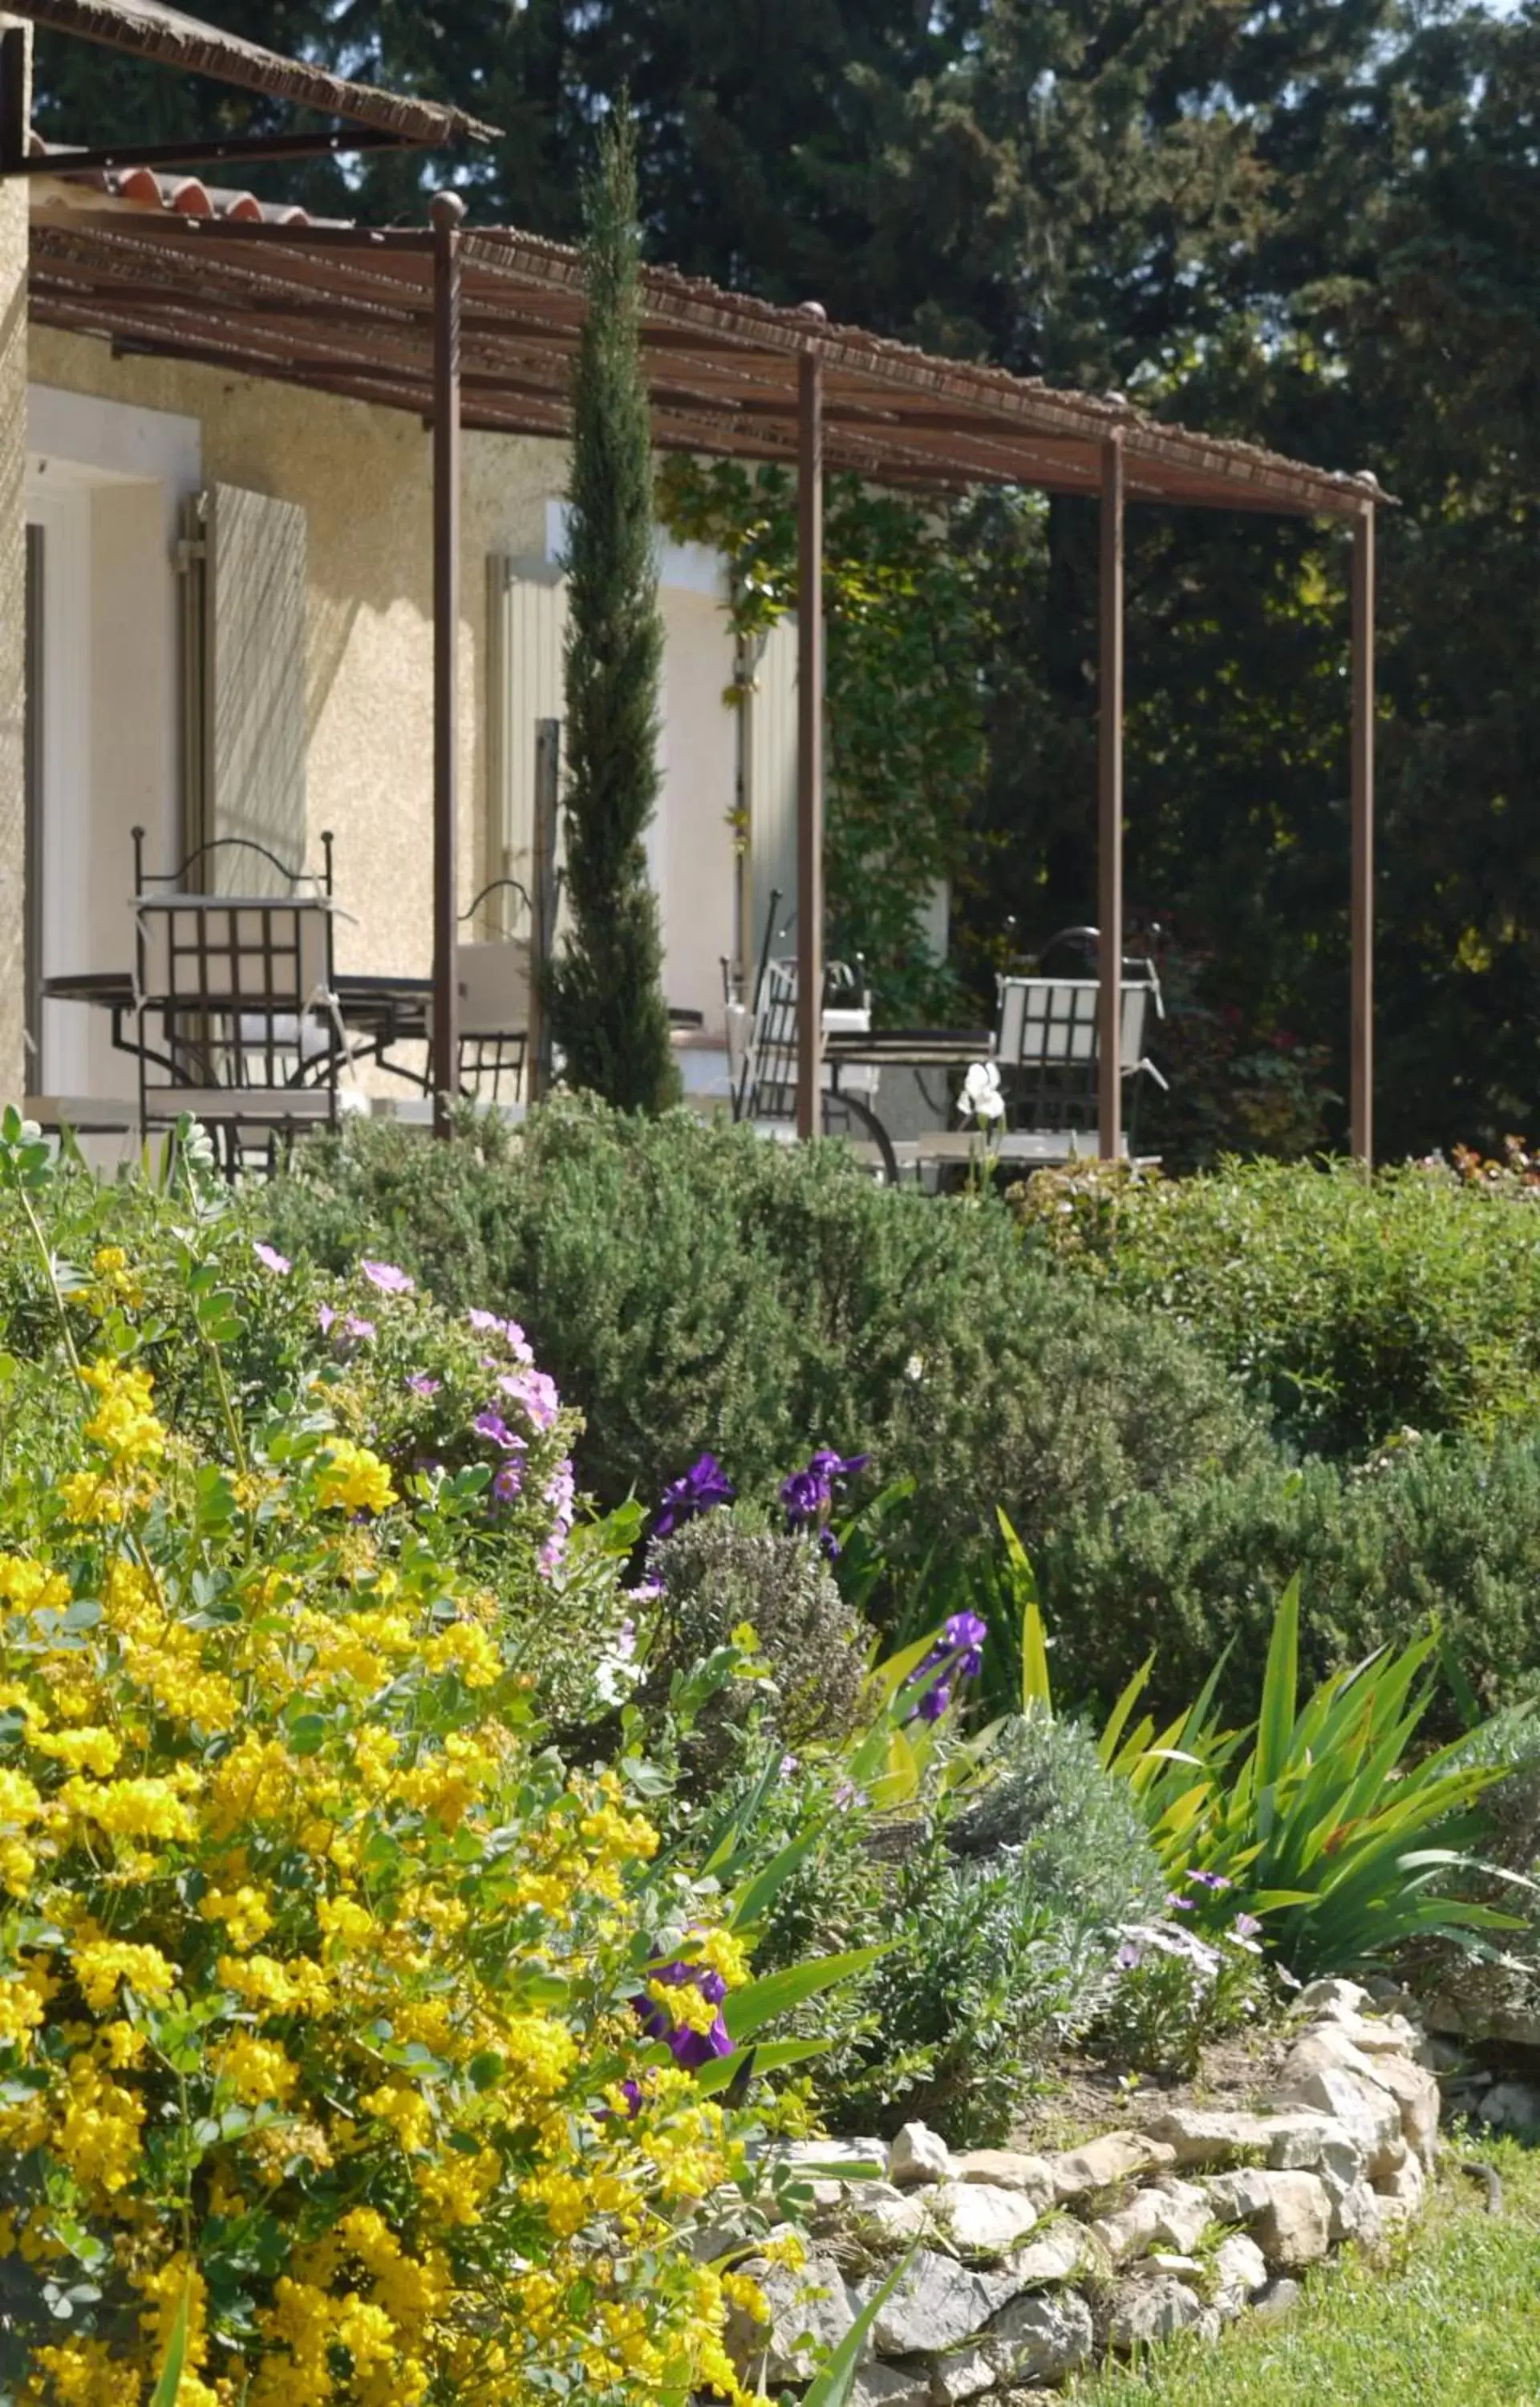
(1279,2299)
(1380,2034)
(918,2156)
(1510,2106)
(1355,2213)
(891,2220)
(1325,2000)
(1147,2310)
(1200,2136)
(1290,2141)
(891,2386)
(1357,2100)
(1416,2095)
(811,2311)
(1053,2257)
(1116,2157)
(1039,2339)
(967,2374)
(938,2304)
(1007,2168)
(1174,2216)
(1294,2227)
(1241,2197)
(1406,2187)
(1289,2213)
(1241,2271)
(978,2219)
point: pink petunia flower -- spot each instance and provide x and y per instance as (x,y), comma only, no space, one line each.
(271,1259)
(387,1279)
(537,1393)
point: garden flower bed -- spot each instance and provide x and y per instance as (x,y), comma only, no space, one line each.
(442,1915)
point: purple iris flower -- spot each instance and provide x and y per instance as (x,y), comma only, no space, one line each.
(958,1654)
(703,1486)
(964,1636)
(689,2049)
(809,1495)
(804,1497)
(829,1466)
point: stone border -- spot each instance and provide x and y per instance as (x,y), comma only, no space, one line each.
(1025,2268)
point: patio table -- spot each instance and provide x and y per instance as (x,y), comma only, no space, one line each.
(906,1048)
(383,1007)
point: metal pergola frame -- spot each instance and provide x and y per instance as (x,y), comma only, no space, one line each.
(478,328)
(372,119)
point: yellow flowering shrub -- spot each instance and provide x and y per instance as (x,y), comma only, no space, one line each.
(345,2032)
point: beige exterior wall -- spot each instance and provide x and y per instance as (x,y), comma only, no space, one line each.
(363,478)
(13,420)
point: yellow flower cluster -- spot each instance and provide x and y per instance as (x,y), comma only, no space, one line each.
(314,1948)
(353,1479)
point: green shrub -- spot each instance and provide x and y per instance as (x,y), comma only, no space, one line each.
(1001,1928)
(718,1573)
(1350,1311)
(1446,1530)
(1077,1836)
(692,1287)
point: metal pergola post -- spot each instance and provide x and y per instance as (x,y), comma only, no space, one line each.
(810,742)
(1109,806)
(1362,804)
(448,211)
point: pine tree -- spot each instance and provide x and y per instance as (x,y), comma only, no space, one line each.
(607,1006)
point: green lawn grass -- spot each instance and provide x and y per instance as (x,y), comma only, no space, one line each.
(1455,2317)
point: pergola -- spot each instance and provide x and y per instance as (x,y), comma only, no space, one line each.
(478,328)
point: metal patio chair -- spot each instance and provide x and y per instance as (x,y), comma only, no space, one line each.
(234,1002)
(762,1054)
(495,976)
(1048,1042)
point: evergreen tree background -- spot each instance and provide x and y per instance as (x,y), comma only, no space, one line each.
(1315,223)
(607,1006)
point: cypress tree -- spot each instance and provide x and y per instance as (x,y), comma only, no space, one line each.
(607,1006)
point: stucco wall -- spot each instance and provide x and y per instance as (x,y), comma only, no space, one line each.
(13,397)
(363,478)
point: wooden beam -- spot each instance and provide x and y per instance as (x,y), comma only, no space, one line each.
(1109,806)
(242,151)
(447,213)
(810,744)
(1363,791)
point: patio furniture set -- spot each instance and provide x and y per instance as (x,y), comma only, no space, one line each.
(1043,1052)
(235,1010)
(236,1013)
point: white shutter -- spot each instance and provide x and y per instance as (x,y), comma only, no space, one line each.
(771,750)
(527,631)
(247,733)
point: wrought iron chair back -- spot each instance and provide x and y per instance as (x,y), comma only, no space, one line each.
(494,977)
(236,1000)
(1047,1045)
